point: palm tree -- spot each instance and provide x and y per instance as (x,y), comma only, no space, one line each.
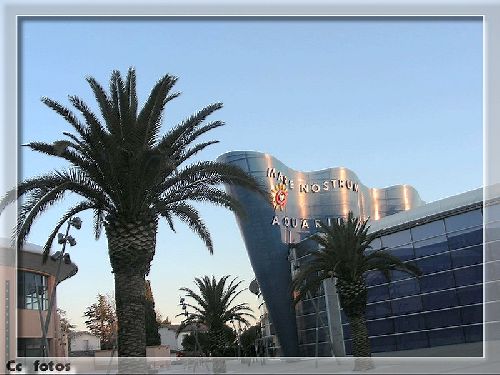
(130,176)
(214,308)
(345,256)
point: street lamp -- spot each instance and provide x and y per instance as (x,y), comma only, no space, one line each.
(59,256)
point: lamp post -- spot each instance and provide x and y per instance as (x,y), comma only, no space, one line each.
(58,256)
(182,303)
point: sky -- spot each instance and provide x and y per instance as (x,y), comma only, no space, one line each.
(398,101)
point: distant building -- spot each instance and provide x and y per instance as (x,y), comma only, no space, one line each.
(168,335)
(84,343)
(31,282)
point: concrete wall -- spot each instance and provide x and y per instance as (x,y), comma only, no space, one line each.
(85,342)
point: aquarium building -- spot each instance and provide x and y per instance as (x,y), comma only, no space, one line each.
(442,308)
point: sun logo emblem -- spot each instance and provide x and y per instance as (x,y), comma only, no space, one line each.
(280,196)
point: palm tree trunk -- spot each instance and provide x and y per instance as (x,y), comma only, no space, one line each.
(131,248)
(361,349)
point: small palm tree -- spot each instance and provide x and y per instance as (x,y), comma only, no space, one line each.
(214,308)
(343,257)
(129,176)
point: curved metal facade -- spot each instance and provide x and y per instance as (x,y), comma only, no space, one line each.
(300,201)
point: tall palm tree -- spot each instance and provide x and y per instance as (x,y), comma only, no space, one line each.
(345,256)
(214,308)
(130,176)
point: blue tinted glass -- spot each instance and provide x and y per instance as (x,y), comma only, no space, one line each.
(469,275)
(470,295)
(444,318)
(404,288)
(443,280)
(431,229)
(465,238)
(472,314)
(466,257)
(396,239)
(446,336)
(383,344)
(378,293)
(440,300)
(412,341)
(431,246)
(399,275)
(465,220)
(409,323)
(406,305)
(473,333)
(435,263)
(404,252)
(378,310)
(346,329)
(375,278)
(380,327)
(376,244)
(348,347)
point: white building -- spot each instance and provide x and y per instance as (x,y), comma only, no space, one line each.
(84,342)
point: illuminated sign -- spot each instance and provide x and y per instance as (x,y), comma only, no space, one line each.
(327,185)
(280,196)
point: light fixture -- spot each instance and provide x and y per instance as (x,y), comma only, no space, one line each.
(71,240)
(55,256)
(76,222)
(60,238)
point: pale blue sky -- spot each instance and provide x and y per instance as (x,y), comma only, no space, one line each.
(395,100)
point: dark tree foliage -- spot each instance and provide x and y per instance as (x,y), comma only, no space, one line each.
(129,175)
(152,324)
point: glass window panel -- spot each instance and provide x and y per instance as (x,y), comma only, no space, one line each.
(470,295)
(399,275)
(440,300)
(473,333)
(383,344)
(409,323)
(413,340)
(348,347)
(407,305)
(466,257)
(309,336)
(346,328)
(375,278)
(442,280)
(435,263)
(469,275)
(446,336)
(376,244)
(465,238)
(465,220)
(492,213)
(404,252)
(380,327)
(396,239)
(309,321)
(431,246)
(472,314)
(404,288)
(378,293)
(432,229)
(492,231)
(378,310)
(444,318)
(308,307)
